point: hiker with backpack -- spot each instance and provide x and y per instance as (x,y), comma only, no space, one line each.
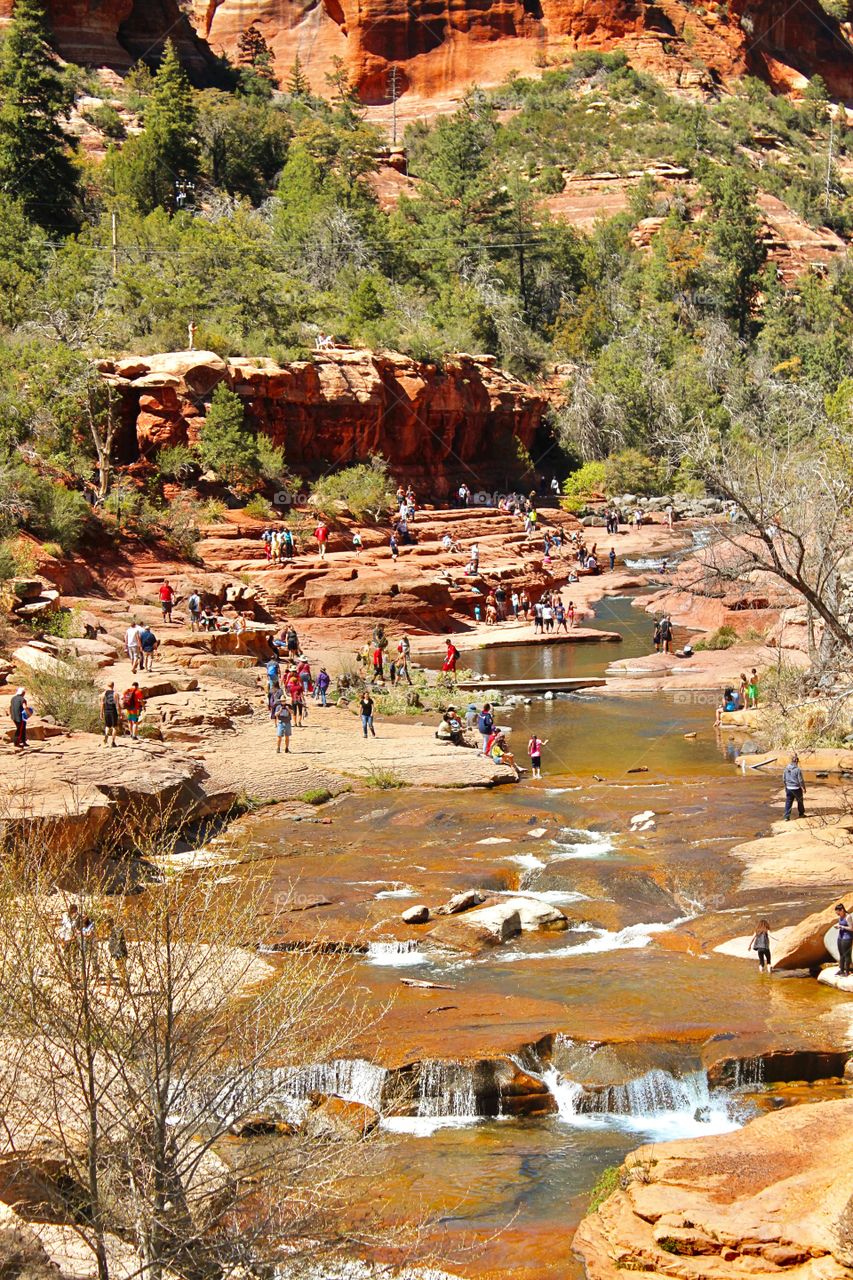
(451,658)
(133,702)
(109,713)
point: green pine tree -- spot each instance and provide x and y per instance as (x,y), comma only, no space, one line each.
(737,245)
(153,169)
(36,167)
(297,81)
(225,445)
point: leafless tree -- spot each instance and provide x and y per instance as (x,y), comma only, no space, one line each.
(121,1081)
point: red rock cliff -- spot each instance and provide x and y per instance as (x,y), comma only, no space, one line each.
(435,426)
(443,46)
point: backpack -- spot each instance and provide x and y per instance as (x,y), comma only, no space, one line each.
(194,603)
(485,723)
(128,699)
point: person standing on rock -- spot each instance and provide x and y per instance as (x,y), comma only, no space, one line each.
(844,925)
(366,712)
(760,944)
(194,606)
(19,711)
(795,787)
(560,615)
(378,664)
(292,641)
(524,602)
(134,650)
(109,713)
(133,701)
(321,533)
(485,725)
(283,717)
(357,545)
(393,547)
(752,689)
(534,750)
(612,558)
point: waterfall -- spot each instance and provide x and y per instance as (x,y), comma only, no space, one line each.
(396,954)
(446,1089)
(658,1103)
(352,1079)
(749,1073)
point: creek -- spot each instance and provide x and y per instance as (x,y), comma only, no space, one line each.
(611,1018)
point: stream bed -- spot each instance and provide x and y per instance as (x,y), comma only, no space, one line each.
(613,1016)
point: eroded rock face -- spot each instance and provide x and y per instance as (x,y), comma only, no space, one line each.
(436,426)
(772,1195)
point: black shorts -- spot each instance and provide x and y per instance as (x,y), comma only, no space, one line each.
(110,718)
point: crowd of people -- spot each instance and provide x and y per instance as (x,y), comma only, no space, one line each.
(742,696)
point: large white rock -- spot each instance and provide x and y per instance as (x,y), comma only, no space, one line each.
(486,927)
(830,978)
(534,914)
(40,660)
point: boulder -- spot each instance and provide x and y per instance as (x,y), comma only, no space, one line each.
(486,927)
(804,944)
(339,1120)
(534,915)
(38,659)
(416,915)
(462,902)
(831,978)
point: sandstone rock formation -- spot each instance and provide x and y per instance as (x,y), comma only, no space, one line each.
(772,1197)
(438,425)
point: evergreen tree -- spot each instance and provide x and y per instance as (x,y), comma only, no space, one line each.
(153,169)
(224,443)
(35,165)
(737,245)
(255,57)
(297,81)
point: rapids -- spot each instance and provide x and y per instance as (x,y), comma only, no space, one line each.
(613,1020)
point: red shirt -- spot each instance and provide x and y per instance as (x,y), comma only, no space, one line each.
(167,595)
(321,533)
(377,657)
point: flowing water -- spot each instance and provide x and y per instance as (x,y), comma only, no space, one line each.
(625,998)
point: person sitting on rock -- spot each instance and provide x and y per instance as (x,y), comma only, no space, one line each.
(496,748)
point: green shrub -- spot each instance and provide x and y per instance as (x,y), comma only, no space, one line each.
(316,795)
(106,120)
(608,1181)
(259,508)
(585,483)
(631,471)
(723,638)
(69,696)
(176,461)
(59,622)
(17,559)
(363,490)
(180,525)
(379,778)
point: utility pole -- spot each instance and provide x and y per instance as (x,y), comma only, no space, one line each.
(829,164)
(393,87)
(114,228)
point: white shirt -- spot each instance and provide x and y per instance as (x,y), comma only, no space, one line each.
(131,636)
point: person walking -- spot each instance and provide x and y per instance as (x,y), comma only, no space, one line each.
(760,944)
(133,701)
(117,954)
(404,649)
(795,787)
(167,599)
(451,658)
(322,686)
(109,713)
(534,750)
(283,726)
(194,606)
(357,545)
(292,642)
(514,604)
(19,711)
(844,925)
(321,533)
(366,710)
(286,545)
(149,644)
(393,548)
(134,651)
(612,558)
(570,613)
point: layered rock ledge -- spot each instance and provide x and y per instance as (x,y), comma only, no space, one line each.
(772,1198)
